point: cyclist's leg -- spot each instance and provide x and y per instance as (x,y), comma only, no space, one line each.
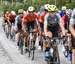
(73,50)
(41,33)
(9,26)
(26,41)
(69,41)
(44,42)
(18,37)
(35,28)
(73,56)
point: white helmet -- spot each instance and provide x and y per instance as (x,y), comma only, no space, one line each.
(30,8)
(46,6)
(13,12)
(64,8)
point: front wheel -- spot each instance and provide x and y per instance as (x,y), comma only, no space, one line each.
(56,57)
(21,47)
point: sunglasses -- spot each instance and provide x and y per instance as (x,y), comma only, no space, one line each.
(52,11)
(30,12)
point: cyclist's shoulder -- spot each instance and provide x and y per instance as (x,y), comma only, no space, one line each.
(58,15)
(47,15)
(35,14)
(43,13)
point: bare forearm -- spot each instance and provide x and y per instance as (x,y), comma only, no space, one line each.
(62,28)
(72,30)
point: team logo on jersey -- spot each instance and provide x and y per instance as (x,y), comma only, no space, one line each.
(55,19)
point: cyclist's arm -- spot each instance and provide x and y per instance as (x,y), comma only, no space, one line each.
(61,25)
(45,25)
(62,28)
(16,21)
(23,25)
(71,26)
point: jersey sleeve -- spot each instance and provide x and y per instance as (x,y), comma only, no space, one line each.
(41,18)
(72,21)
(59,17)
(37,17)
(45,19)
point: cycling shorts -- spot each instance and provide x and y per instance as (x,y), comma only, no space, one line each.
(53,30)
(42,26)
(73,42)
(33,25)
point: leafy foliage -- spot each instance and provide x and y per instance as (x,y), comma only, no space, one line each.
(17,4)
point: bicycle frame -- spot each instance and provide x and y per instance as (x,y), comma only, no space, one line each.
(54,58)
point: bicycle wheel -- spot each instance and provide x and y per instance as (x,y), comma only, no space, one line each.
(33,50)
(56,57)
(29,51)
(22,50)
(21,47)
(13,36)
(6,32)
(66,51)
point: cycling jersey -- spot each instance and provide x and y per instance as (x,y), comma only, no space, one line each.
(41,18)
(65,18)
(30,18)
(18,22)
(62,13)
(52,21)
(6,15)
(11,17)
(52,24)
(30,21)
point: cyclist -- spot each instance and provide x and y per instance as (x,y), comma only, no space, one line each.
(52,23)
(63,11)
(41,20)
(6,15)
(18,24)
(5,18)
(64,16)
(11,17)
(72,30)
(30,19)
(11,20)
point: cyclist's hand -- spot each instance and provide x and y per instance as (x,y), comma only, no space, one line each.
(74,35)
(24,31)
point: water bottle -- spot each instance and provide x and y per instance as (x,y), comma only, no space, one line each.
(70,56)
(46,53)
(51,52)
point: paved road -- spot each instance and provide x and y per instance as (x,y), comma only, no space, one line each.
(12,54)
(4,57)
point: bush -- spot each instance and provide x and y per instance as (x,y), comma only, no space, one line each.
(6,5)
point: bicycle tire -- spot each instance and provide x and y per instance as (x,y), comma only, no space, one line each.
(21,47)
(29,51)
(33,54)
(21,50)
(33,49)
(57,58)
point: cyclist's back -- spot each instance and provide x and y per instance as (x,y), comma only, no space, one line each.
(6,16)
(18,21)
(62,13)
(11,17)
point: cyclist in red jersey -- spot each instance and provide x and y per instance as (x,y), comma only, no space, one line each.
(41,21)
(30,19)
